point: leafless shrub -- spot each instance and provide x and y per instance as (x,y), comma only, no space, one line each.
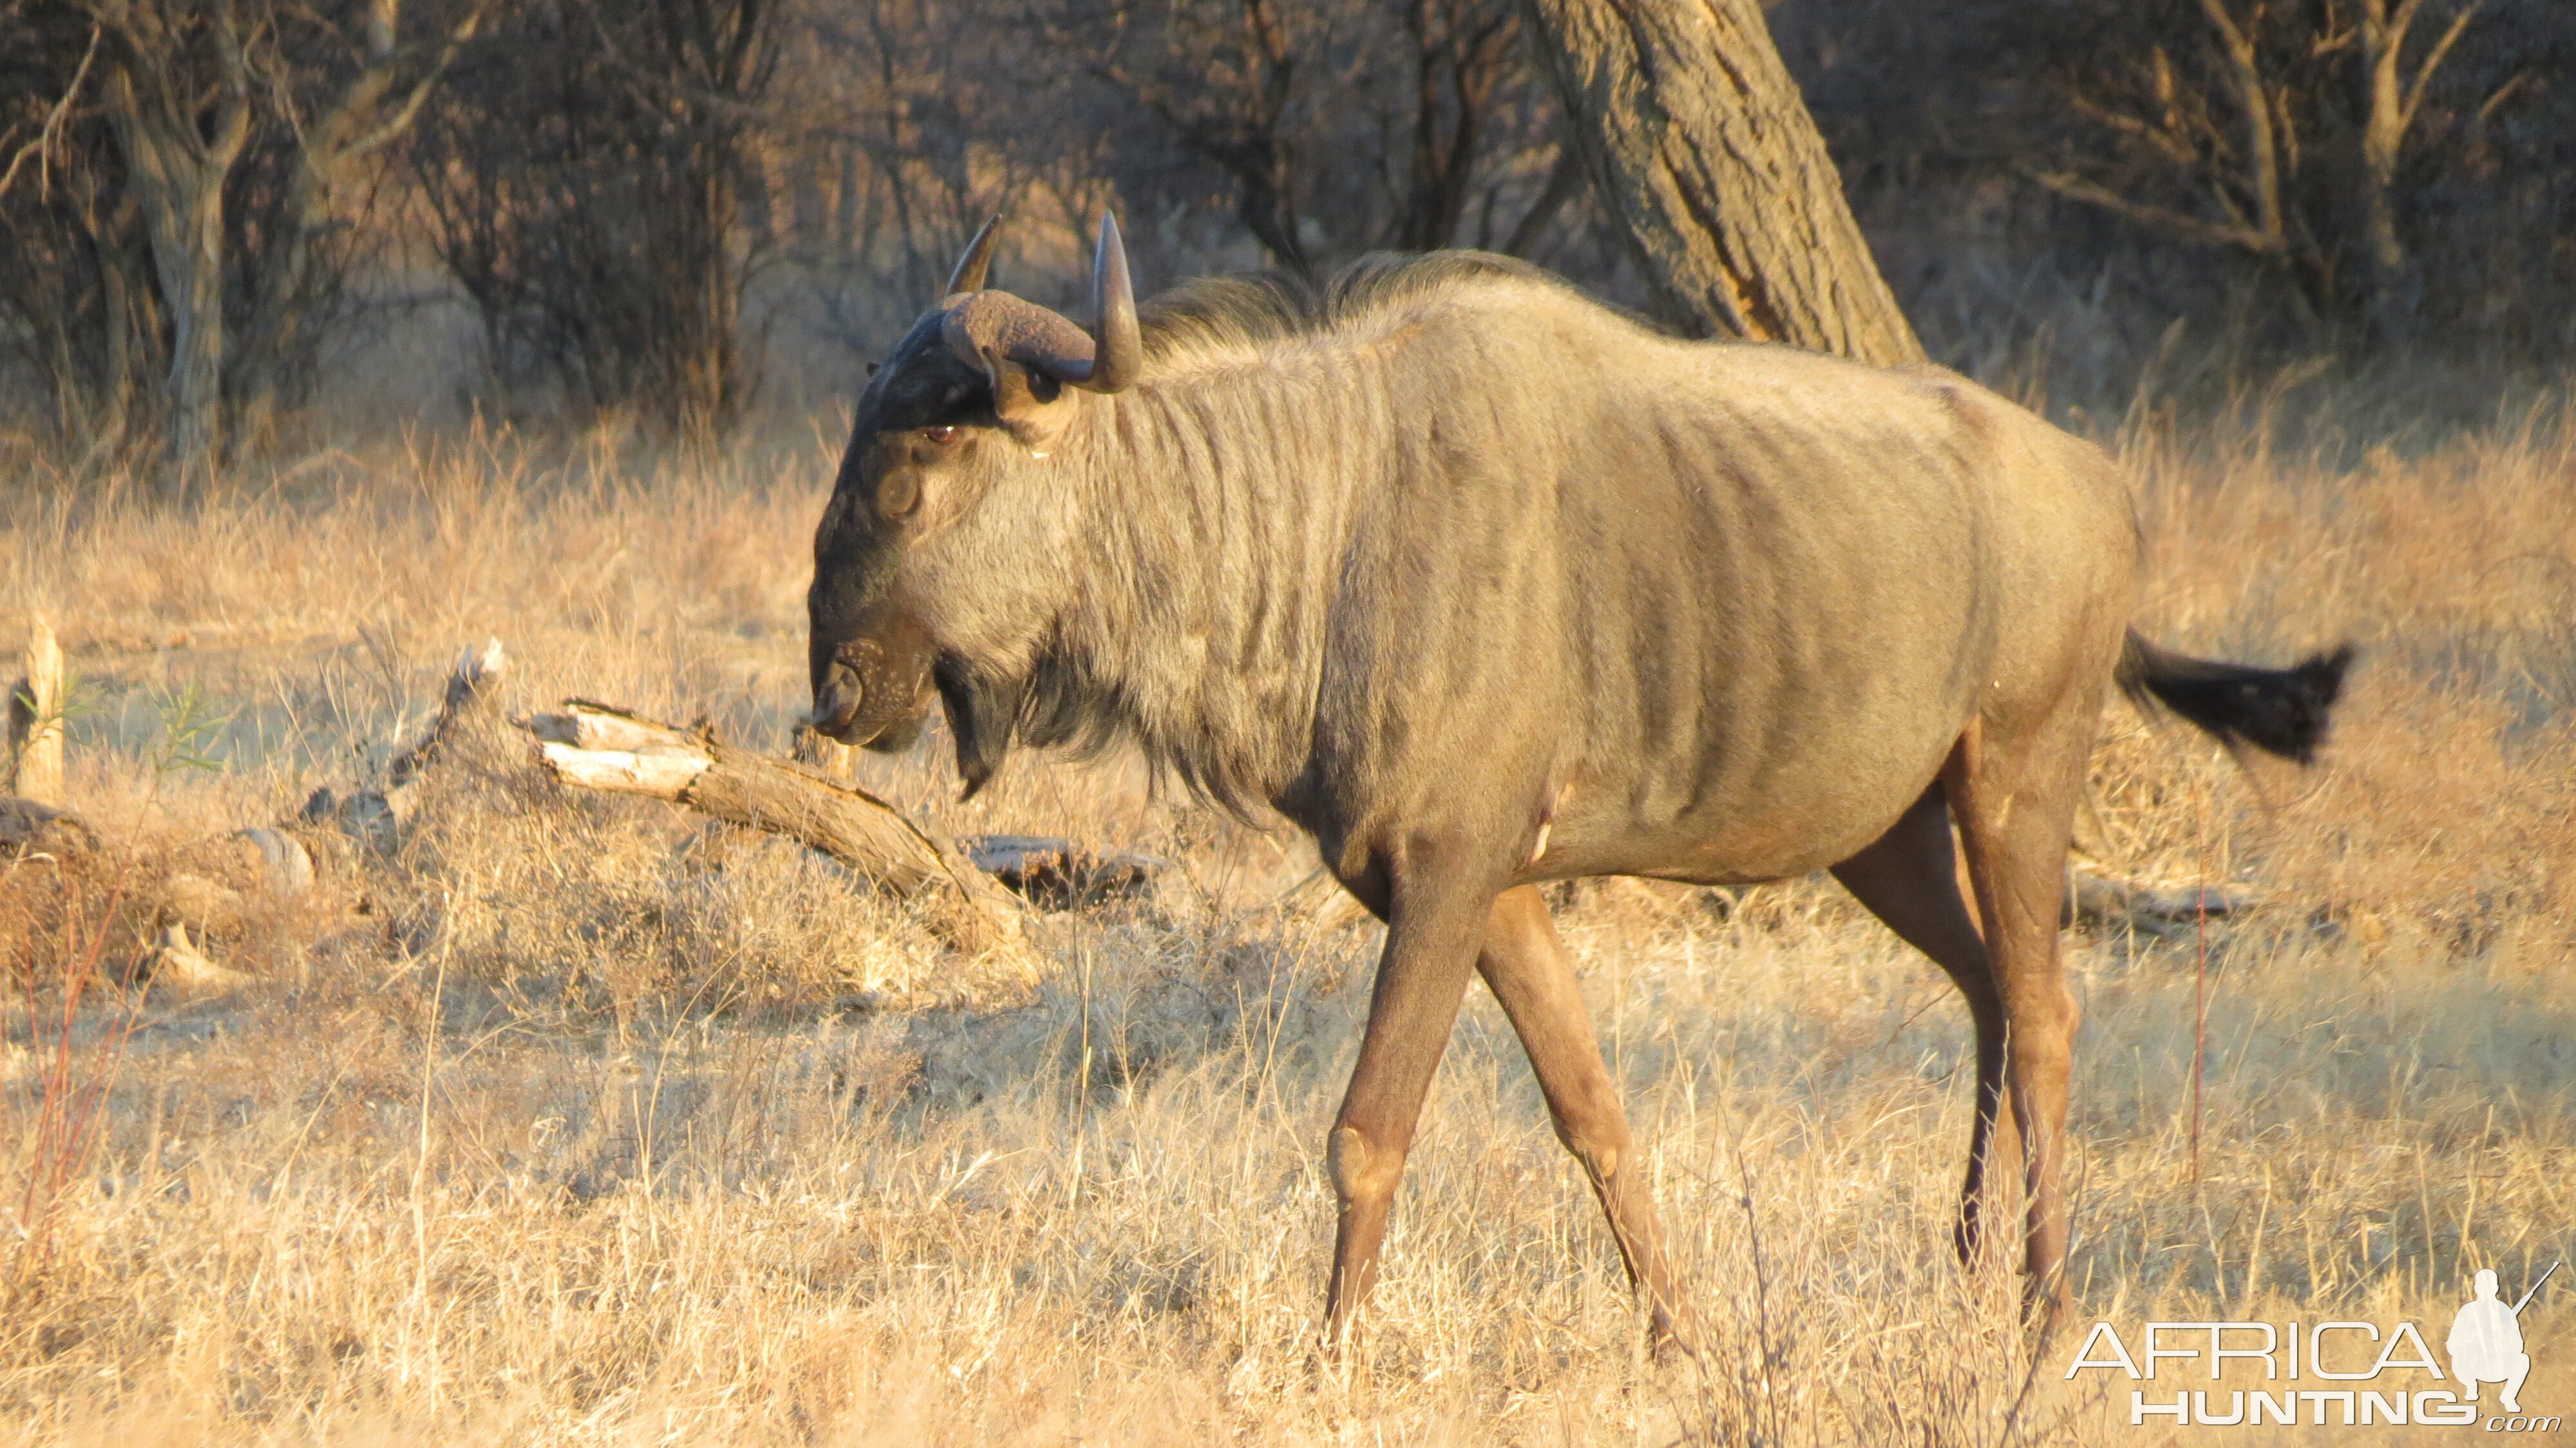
(584,178)
(178,192)
(2367,178)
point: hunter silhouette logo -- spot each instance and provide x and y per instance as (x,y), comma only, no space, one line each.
(2486,1341)
(2485,1346)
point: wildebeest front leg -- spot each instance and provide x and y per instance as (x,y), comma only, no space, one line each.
(1529,973)
(1435,920)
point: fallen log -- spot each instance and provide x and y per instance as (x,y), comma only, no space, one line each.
(175,960)
(2106,903)
(214,887)
(1057,874)
(593,746)
(376,816)
(29,826)
(197,895)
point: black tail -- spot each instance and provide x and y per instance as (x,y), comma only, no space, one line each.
(2279,711)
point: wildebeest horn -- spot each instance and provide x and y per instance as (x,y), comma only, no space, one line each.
(969,275)
(1106,360)
(1118,346)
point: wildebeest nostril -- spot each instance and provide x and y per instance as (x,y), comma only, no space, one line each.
(836,701)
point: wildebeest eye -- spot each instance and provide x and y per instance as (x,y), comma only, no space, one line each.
(940,434)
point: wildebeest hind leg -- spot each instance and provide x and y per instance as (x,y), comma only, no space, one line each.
(1909,879)
(1528,971)
(2014,796)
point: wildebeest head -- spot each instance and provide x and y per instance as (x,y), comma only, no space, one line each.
(922,565)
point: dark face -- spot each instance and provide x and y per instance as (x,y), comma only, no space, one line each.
(928,559)
(920,427)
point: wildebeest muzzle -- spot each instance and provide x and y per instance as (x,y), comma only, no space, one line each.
(873,689)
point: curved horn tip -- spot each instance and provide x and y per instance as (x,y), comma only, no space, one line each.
(969,275)
(1118,346)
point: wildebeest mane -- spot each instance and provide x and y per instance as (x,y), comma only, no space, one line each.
(1216,315)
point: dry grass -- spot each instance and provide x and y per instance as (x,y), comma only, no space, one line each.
(562,1140)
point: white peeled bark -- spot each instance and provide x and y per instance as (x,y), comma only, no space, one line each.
(625,771)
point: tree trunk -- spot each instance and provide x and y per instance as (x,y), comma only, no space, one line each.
(2394,100)
(188,250)
(178,170)
(1700,142)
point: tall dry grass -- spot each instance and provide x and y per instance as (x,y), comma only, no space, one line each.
(567,1138)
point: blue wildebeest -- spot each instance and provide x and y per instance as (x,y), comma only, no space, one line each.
(1485,585)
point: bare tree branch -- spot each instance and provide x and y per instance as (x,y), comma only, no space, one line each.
(2248,238)
(52,128)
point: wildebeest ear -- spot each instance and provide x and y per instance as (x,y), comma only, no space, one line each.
(1031,405)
